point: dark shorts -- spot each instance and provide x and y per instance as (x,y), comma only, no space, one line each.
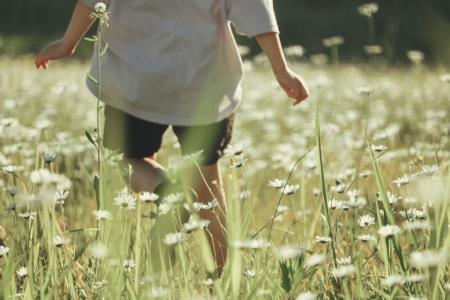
(138,138)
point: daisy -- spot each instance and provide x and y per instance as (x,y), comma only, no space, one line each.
(290,189)
(343,271)
(59,241)
(389,230)
(125,199)
(101,215)
(366,220)
(315,260)
(3,251)
(174,238)
(148,197)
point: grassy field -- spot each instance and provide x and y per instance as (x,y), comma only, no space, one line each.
(345,196)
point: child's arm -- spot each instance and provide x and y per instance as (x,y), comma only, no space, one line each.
(292,83)
(77,28)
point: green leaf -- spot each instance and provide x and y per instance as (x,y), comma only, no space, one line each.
(79,252)
(92,78)
(92,39)
(286,281)
(104,50)
(90,138)
(97,190)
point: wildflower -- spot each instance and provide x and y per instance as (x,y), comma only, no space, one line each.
(208,282)
(316,192)
(344,260)
(101,215)
(128,265)
(413,213)
(356,202)
(415,56)
(339,188)
(333,203)
(404,180)
(125,200)
(250,244)
(175,238)
(366,220)
(391,197)
(366,238)
(333,41)
(244,194)
(12,191)
(100,7)
(13,169)
(307,296)
(288,252)
(315,260)
(277,183)
(27,215)
(45,177)
(49,156)
(98,250)
(323,239)
(368,9)
(22,272)
(365,173)
(389,230)
(430,169)
(378,148)
(234,150)
(290,189)
(319,59)
(173,198)
(3,251)
(59,241)
(195,225)
(296,51)
(353,193)
(281,209)
(239,163)
(395,279)
(428,258)
(417,225)
(344,271)
(147,197)
(365,90)
(164,208)
(99,284)
(250,273)
(60,196)
(373,49)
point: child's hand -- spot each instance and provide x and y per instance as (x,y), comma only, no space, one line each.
(294,85)
(54,50)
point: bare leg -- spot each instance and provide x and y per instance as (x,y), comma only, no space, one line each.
(146,176)
(216,228)
(147,173)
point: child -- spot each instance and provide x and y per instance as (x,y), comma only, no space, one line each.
(175,62)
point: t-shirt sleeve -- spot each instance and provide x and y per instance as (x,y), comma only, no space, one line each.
(91,3)
(252,17)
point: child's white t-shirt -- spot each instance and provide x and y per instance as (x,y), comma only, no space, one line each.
(176,61)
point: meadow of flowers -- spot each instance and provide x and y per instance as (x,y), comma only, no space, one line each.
(345,196)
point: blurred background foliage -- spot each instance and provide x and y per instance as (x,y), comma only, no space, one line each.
(401,25)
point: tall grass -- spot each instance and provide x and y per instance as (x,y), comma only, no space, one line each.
(284,242)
